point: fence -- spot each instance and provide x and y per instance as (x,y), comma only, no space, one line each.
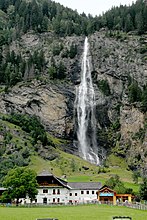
(134,205)
(129,205)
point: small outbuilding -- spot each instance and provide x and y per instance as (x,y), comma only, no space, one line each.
(105,195)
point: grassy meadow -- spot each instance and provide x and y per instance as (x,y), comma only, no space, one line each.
(85,212)
(72,166)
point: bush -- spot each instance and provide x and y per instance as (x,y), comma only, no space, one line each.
(57,49)
(116,184)
(104,87)
(144,99)
(73,51)
(135,92)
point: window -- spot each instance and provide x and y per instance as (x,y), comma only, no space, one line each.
(87,192)
(58,192)
(54,192)
(53,200)
(75,194)
(45,191)
(58,200)
(92,192)
(70,194)
(82,192)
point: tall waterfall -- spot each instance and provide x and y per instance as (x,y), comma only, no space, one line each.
(85,111)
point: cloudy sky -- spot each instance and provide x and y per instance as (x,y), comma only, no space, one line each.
(93,7)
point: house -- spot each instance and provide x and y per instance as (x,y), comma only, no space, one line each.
(53,190)
(108,196)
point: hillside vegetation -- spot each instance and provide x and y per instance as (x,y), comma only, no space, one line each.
(41,45)
(19,17)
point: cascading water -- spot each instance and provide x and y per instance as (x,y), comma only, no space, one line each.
(85,111)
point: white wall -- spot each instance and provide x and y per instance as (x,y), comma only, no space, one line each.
(52,198)
(77,196)
(66,195)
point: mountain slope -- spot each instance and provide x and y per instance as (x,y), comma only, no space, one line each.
(40,65)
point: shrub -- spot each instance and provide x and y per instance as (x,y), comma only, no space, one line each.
(104,87)
(135,92)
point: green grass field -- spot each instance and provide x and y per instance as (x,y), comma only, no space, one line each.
(87,212)
(64,166)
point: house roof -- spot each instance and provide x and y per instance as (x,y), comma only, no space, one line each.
(45,173)
(106,187)
(73,185)
(85,185)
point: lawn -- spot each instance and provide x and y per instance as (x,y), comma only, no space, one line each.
(87,212)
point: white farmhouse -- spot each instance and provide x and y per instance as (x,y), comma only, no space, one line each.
(53,190)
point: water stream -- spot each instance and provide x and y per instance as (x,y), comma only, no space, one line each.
(85,110)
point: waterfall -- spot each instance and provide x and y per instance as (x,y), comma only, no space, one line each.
(85,111)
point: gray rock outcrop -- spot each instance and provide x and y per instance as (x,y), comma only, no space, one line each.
(115,61)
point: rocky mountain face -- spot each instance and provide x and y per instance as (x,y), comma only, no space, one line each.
(118,62)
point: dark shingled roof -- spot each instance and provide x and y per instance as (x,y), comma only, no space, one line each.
(76,185)
(45,173)
(85,185)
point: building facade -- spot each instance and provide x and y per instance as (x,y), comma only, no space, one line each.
(105,195)
(53,190)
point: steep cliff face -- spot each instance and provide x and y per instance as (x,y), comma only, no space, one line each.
(133,137)
(47,101)
(117,62)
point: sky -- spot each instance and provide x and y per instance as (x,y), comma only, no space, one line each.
(93,7)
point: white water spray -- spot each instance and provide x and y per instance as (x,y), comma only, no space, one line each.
(85,109)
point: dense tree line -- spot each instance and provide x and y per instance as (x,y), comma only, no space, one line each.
(14,68)
(126,18)
(47,15)
(20,16)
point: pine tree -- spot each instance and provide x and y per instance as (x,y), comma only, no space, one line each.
(139,23)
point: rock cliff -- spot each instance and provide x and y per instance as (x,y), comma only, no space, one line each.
(117,62)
